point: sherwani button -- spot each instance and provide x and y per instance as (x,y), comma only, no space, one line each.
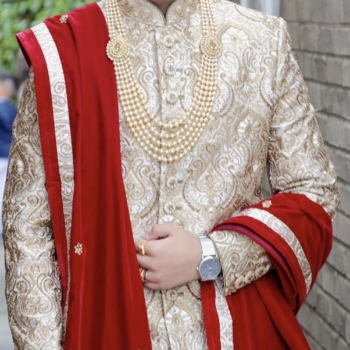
(172,182)
(170,208)
(169,41)
(172,295)
(172,97)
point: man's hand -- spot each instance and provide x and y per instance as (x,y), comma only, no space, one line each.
(172,257)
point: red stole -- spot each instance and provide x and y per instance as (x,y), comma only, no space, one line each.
(106,306)
(263,312)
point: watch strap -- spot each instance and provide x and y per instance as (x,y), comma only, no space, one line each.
(208,248)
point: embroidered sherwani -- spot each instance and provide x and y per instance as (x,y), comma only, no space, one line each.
(261,115)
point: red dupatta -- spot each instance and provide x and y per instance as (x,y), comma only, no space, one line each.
(106,306)
(264,312)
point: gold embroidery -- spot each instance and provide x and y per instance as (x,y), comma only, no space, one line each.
(33,288)
(243,261)
(64,19)
(78,249)
(267,204)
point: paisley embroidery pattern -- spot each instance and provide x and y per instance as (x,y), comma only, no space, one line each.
(33,287)
(242,260)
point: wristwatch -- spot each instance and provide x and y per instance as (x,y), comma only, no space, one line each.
(210,267)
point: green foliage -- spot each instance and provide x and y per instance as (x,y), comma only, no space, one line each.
(19,15)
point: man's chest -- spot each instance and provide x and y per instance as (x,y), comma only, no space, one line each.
(224,169)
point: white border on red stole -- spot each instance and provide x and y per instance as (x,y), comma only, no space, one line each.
(62,132)
(287,234)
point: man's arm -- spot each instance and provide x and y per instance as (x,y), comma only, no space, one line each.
(297,159)
(33,288)
(291,226)
(243,261)
(297,163)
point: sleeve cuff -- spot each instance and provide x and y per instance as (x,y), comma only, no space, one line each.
(243,261)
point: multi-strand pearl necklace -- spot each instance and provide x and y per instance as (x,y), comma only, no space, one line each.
(165,142)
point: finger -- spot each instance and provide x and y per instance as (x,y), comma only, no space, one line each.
(137,243)
(146,236)
(149,277)
(145,262)
(161,231)
(155,233)
(151,248)
(140,246)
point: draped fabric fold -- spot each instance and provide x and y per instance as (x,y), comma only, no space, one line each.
(105,308)
(297,234)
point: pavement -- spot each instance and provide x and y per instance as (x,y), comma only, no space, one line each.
(5,334)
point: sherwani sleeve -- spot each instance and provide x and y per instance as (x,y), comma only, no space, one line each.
(243,261)
(297,163)
(33,288)
(297,159)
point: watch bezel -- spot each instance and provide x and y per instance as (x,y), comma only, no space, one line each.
(199,268)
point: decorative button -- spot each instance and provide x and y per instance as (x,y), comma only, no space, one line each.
(172,294)
(173,66)
(171,98)
(267,204)
(64,19)
(78,249)
(170,68)
(169,208)
(172,182)
(169,41)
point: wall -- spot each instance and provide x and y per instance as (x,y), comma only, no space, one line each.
(320,31)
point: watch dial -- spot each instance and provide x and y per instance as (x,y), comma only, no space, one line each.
(210,268)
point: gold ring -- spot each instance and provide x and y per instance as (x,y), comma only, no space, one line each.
(143,275)
(141,249)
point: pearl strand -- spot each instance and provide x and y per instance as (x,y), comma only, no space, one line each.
(175,138)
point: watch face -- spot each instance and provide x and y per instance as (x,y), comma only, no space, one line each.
(209,268)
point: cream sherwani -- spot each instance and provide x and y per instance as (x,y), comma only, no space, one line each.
(261,115)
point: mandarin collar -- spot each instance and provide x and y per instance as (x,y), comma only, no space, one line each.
(145,11)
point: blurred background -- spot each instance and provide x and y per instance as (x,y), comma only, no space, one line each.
(19,15)
(320,31)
